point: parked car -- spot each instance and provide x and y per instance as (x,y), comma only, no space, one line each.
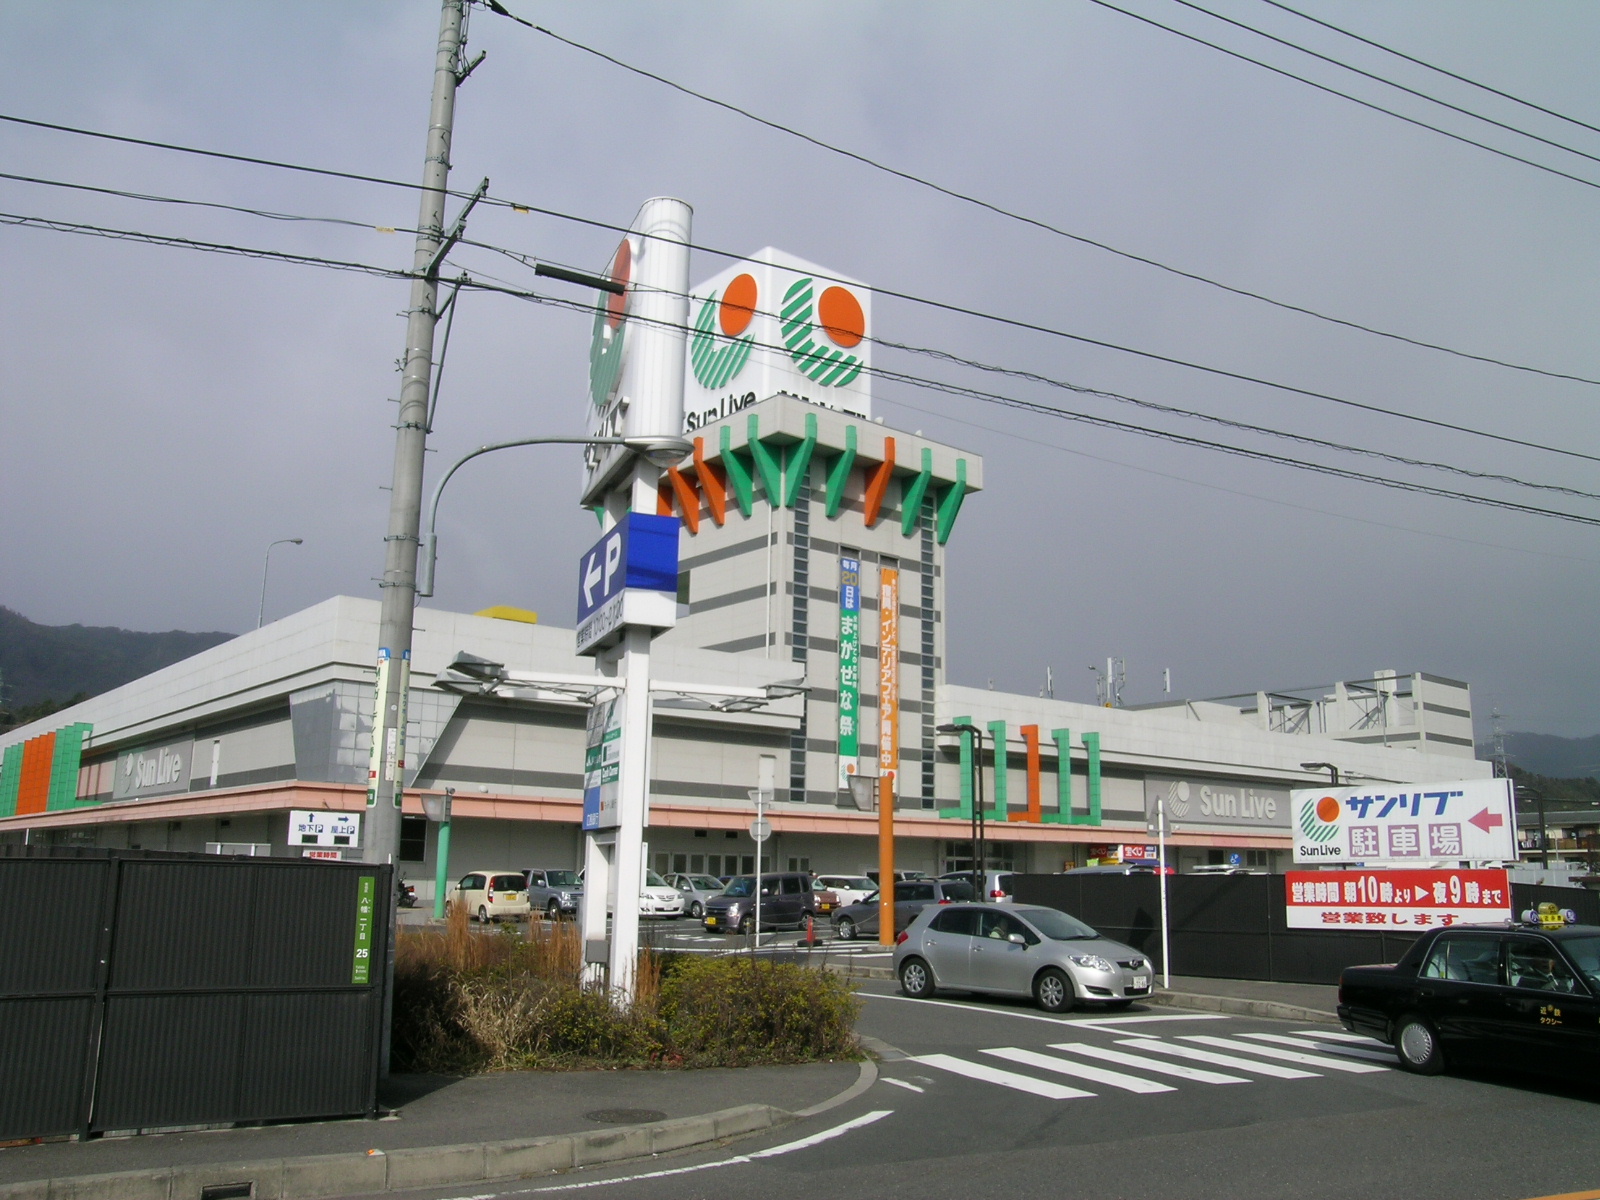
(490,895)
(1018,950)
(910,898)
(899,875)
(996,884)
(786,899)
(695,890)
(555,892)
(657,898)
(850,889)
(1127,868)
(1517,996)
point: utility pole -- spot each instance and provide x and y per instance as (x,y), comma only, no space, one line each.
(386,774)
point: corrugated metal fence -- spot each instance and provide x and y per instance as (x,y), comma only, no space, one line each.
(143,990)
(1234,926)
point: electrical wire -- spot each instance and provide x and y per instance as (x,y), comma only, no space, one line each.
(879,372)
(1410,91)
(529,260)
(1057,230)
(1493,91)
(1333,91)
(956,309)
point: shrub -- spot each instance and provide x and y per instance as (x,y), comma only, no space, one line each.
(736,1011)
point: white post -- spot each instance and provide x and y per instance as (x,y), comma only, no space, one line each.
(1161,876)
(758,873)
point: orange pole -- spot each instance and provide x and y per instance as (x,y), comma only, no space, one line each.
(888,743)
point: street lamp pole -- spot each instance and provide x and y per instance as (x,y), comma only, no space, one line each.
(261,613)
(1332,770)
(655,448)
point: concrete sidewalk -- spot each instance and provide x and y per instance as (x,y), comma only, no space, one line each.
(440,1130)
(1252,997)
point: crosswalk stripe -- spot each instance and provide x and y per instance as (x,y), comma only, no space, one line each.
(1294,1056)
(1177,1070)
(1152,1046)
(1339,1036)
(1010,1079)
(1045,1062)
(1374,1054)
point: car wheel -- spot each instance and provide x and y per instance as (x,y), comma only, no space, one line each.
(916,979)
(846,929)
(1052,991)
(552,911)
(697,910)
(1417,1044)
(747,923)
(483,915)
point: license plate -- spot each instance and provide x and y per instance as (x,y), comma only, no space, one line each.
(1141,981)
(711,920)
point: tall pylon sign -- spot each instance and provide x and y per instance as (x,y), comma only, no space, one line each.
(627,580)
(772,324)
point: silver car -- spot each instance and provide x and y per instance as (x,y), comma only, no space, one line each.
(1018,950)
(696,890)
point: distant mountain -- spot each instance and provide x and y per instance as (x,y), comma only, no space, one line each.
(1546,754)
(42,666)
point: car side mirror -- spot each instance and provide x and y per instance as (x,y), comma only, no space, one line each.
(1017,939)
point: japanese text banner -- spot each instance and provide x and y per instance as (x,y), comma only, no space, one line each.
(1395,899)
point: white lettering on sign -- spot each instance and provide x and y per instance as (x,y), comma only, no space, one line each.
(613,561)
(591,576)
(1217,803)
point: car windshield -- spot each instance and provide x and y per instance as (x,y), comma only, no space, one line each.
(955,889)
(1585,951)
(705,883)
(561,878)
(1058,926)
(651,879)
(745,885)
(854,883)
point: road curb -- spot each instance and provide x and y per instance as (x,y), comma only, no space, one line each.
(1242,1006)
(854,972)
(327,1175)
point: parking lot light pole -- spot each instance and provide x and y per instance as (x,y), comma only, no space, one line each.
(1332,770)
(261,613)
(980,865)
(437,807)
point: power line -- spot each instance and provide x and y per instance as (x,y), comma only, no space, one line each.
(1057,230)
(1102,422)
(906,296)
(1493,91)
(880,372)
(1410,91)
(1332,91)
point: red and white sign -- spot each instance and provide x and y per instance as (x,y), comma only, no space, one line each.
(1399,899)
(1130,853)
(325,855)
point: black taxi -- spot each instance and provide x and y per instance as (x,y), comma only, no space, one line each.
(1520,995)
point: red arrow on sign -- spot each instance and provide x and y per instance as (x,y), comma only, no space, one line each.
(1486,820)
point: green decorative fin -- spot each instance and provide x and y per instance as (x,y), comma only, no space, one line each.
(738,473)
(799,462)
(912,491)
(771,475)
(1002,768)
(950,499)
(839,472)
(964,810)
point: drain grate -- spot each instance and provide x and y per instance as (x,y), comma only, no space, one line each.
(624,1116)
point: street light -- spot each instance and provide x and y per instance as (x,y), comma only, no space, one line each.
(663,452)
(980,857)
(1538,797)
(1323,766)
(437,807)
(266,562)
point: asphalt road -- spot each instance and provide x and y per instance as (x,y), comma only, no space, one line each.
(994,1099)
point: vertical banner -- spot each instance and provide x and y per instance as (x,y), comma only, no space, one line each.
(366,905)
(602,764)
(376,761)
(397,769)
(849,668)
(889,677)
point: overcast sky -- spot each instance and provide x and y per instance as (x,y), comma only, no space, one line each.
(167,414)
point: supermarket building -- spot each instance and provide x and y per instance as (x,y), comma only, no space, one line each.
(792,514)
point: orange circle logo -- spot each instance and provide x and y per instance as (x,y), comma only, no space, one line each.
(738,305)
(841,317)
(621,272)
(1327,810)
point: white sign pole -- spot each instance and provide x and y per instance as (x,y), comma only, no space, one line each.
(1161,875)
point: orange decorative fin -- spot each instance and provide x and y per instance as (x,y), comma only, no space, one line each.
(878,484)
(1035,809)
(711,479)
(688,498)
(664,498)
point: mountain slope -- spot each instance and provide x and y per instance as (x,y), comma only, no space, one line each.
(57,662)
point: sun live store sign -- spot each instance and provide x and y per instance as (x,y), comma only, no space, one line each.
(1405,824)
(775,323)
